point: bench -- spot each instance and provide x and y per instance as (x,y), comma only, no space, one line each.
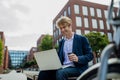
(35,77)
(72,78)
(31,75)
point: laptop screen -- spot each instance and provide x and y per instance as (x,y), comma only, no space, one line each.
(48,60)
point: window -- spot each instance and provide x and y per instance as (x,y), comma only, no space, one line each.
(94,23)
(85,10)
(76,9)
(65,13)
(101,24)
(34,49)
(54,26)
(87,31)
(102,33)
(68,10)
(114,28)
(61,16)
(94,31)
(99,13)
(86,24)
(109,36)
(78,31)
(108,26)
(78,21)
(92,11)
(57,42)
(106,13)
(59,32)
(59,39)
(54,35)
(113,14)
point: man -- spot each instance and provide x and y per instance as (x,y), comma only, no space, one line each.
(74,53)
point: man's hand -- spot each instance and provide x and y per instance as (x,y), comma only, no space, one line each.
(73,57)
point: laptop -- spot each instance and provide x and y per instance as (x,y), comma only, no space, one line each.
(48,60)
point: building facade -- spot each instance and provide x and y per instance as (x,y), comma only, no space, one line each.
(30,56)
(86,17)
(2,38)
(35,49)
(40,40)
(17,57)
(6,58)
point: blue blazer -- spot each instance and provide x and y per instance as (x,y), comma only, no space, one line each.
(81,48)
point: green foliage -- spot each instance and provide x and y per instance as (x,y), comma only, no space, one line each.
(1,51)
(26,65)
(56,47)
(33,62)
(97,40)
(46,43)
(29,64)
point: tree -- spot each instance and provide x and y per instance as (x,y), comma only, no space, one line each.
(56,47)
(1,51)
(97,42)
(46,43)
(26,64)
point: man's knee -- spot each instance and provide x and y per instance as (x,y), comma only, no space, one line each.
(43,75)
(60,71)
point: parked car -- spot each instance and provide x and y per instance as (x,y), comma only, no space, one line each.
(18,70)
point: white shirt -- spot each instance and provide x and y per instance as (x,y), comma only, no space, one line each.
(68,45)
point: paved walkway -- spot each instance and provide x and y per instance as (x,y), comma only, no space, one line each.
(31,74)
(13,75)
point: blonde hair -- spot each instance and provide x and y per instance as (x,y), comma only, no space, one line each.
(64,20)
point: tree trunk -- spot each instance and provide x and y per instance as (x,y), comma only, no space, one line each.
(94,58)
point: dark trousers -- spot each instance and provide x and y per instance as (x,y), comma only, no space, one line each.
(60,74)
(47,75)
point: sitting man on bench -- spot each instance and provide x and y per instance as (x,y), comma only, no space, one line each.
(74,53)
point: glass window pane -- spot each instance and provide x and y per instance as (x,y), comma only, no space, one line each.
(86,24)
(78,31)
(99,13)
(57,42)
(54,26)
(102,33)
(87,31)
(113,13)
(94,31)
(92,11)
(94,23)
(78,21)
(108,26)
(68,10)
(110,36)
(85,10)
(76,9)
(114,28)
(101,24)
(106,13)
(65,13)
(59,32)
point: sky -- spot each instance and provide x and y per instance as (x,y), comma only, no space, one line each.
(23,21)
